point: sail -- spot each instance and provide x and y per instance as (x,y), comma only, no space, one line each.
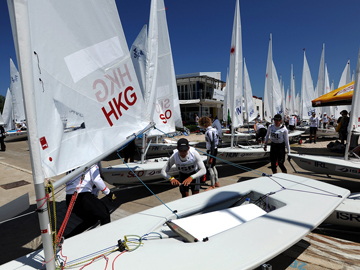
(249,103)
(328,110)
(272,91)
(307,91)
(17,96)
(344,80)
(71,60)
(321,79)
(226,106)
(287,103)
(1,120)
(297,104)
(292,92)
(161,95)
(236,71)
(283,103)
(354,121)
(138,52)
(8,112)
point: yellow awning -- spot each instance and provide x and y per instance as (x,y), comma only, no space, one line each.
(340,96)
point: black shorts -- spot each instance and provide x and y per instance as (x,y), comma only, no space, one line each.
(261,133)
(291,127)
(183,177)
(313,130)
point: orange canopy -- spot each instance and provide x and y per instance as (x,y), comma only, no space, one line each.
(340,96)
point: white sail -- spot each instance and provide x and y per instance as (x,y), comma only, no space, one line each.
(16,91)
(272,92)
(321,80)
(345,79)
(138,52)
(283,103)
(161,95)
(354,121)
(287,103)
(297,104)
(292,92)
(249,103)
(1,120)
(226,106)
(328,109)
(8,112)
(236,71)
(307,91)
(81,64)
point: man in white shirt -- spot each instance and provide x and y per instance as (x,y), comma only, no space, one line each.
(216,124)
(190,165)
(314,125)
(325,120)
(87,206)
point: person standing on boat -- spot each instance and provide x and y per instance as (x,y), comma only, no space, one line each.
(279,137)
(87,206)
(190,166)
(196,119)
(325,120)
(314,126)
(2,137)
(260,131)
(212,142)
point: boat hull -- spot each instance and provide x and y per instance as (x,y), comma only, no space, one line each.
(242,154)
(328,165)
(16,135)
(294,215)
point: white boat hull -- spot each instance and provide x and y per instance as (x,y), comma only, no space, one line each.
(328,165)
(16,135)
(242,154)
(238,137)
(150,170)
(347,213)
(257,241)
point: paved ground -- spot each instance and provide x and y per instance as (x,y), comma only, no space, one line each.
(20,236)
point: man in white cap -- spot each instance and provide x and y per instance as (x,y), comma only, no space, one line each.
(314,125)
(325,120)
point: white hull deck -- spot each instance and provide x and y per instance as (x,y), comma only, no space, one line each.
(150,170)
(242,153)
(238,137)
(347,213)
(166,148)
(16,135)
(295,136)
(330,165)
(296,210)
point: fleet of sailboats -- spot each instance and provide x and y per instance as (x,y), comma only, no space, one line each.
(59,63)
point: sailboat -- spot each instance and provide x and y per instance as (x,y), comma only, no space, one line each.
(320,91)
(331,165)
(272,95)
(154,66)
(235,85)
(14,107)
(280,206)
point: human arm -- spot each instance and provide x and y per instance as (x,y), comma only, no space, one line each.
(201,166)
(166,168)
(286,139)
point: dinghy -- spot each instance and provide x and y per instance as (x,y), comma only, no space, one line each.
(343,166)
(160,96)
(14,107)
(289,207)
(277,213)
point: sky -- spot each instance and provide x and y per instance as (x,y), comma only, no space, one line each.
(200,36)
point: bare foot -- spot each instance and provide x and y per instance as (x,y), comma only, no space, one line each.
(210,188)
(217,184)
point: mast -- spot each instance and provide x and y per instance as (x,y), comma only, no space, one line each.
(25,66)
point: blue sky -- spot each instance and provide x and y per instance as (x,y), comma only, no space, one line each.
(200,34)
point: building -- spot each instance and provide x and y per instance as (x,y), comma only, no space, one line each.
(196,95)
